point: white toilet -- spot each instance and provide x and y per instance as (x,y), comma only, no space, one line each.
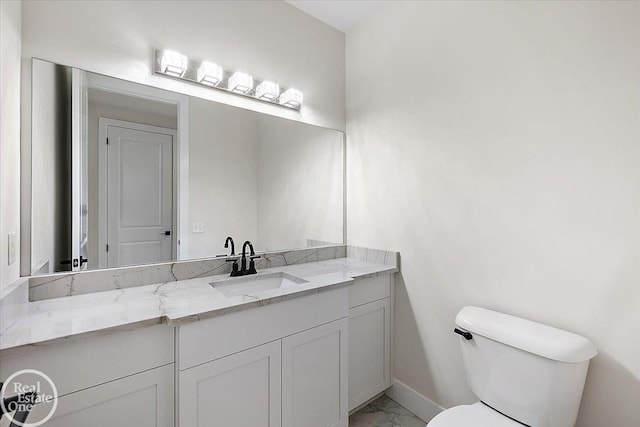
(522,371)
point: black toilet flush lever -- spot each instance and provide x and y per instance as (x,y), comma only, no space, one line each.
(466,335)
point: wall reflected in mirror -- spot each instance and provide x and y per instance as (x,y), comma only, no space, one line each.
(126,174)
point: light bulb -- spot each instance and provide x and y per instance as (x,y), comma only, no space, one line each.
(209,73)
(291,98)
(173,63)
(267,90)
(240,83)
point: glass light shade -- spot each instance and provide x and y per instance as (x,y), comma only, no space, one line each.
(291,98)
(267,90)
(173,63)
(240,83)
(209,73)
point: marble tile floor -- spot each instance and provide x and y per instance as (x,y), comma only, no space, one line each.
(384,412)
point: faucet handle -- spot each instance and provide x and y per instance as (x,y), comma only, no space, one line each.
(234,267)
(252,265)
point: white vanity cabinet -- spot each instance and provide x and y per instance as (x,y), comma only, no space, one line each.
(242,389)
(283,364)
(300,362)
(370,316)
(314,377)
(141,400)
(104,379)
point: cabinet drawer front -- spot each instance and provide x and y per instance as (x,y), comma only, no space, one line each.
(370,289)
(314,377)
(369,351)
(236,391)
(207,340)
(87,360)
(141,400)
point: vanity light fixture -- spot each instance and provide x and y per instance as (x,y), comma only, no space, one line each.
(267,90)
(291,98)
(170,63)
(209,74)
(173,63)
(240,82)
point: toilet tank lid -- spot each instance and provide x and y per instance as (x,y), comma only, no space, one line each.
(533,337)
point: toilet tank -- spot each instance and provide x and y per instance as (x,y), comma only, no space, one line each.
(530,372)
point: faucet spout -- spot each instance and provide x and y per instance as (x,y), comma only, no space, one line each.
(243,262)
(244,249)
(233,246)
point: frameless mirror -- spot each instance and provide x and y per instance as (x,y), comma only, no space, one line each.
(127,174)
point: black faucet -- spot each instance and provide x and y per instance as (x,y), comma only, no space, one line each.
(233,246)
(234,268)
(252,256)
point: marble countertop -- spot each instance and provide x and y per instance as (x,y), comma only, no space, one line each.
(173,302)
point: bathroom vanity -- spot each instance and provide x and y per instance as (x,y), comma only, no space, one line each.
(307,350)
(126,301)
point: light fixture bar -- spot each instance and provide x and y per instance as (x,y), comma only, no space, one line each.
(172,64)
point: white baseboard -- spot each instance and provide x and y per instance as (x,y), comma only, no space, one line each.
(415,402)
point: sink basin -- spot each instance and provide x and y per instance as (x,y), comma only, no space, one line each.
(232,287)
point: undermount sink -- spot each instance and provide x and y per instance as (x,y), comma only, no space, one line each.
(232,287)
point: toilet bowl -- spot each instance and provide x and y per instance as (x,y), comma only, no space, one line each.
(523,372)
(476,415)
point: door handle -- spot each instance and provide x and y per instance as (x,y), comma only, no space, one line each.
(74,261)
(167,233)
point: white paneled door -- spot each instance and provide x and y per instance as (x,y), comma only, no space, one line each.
(369,351)
(240,390)
(141,400)
(139,193)
(314,377)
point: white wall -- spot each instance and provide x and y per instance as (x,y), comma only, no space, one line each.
(270,39)
(223,176)
(274,182)
(10,45)
(300,184)
(496,145)
(50,166)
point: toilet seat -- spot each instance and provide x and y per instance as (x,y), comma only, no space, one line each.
(476,415)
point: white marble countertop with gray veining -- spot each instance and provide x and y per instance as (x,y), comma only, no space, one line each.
(173,302)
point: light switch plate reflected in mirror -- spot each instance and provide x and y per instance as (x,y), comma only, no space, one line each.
(12,248)
(197,227)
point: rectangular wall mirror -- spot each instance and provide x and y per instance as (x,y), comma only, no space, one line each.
(127,174)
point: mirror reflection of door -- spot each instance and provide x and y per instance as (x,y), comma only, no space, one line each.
(137,186)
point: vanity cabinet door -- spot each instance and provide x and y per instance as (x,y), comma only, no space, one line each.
(314,377)
(369,351)
(239,390)
(141,400)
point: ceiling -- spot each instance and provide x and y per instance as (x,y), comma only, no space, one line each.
(340,14)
